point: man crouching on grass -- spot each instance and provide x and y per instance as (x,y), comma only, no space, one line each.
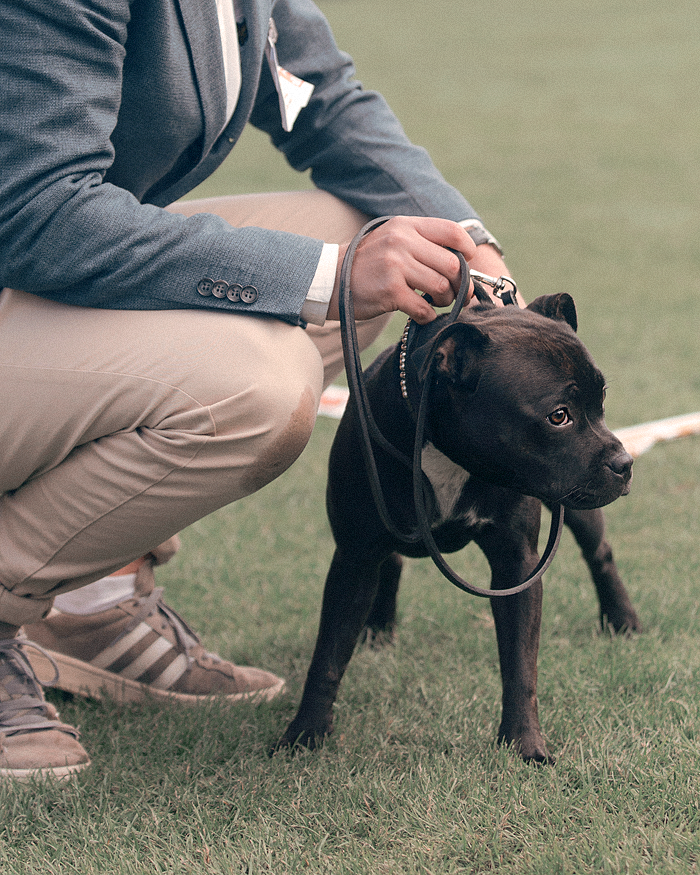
(158,362)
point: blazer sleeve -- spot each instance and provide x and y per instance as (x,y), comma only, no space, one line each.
(351,140)
(69,235)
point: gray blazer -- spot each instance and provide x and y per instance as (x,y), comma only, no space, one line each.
(111,109)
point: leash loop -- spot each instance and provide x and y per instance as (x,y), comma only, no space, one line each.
(370,431)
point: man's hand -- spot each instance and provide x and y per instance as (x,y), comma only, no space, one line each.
(404,254)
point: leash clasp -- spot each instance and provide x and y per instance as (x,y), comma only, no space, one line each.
(507,295)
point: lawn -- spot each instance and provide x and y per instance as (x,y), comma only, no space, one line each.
(573,129)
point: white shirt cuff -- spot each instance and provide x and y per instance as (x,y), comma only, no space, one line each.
(319,295)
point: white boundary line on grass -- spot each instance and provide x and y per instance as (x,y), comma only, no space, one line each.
(636,439)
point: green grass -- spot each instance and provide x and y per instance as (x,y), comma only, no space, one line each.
(573,130)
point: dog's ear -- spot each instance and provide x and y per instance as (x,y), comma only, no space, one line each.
(559,306)
(458,354)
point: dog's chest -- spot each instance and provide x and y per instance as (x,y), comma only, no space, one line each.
(448,481)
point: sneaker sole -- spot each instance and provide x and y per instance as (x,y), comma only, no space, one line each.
(57,773)
(83,679)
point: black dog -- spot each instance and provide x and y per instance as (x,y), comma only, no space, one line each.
(515,418)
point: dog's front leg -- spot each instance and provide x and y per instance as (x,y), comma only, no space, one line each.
(517,620)
(350,590)
(517,617)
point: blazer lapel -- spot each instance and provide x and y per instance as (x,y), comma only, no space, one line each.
(202,28)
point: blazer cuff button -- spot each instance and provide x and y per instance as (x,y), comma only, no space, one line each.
(249,294)
(204,286)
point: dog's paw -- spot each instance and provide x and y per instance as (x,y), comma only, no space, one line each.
(540,757)
(377,638)
(620,622)
(530,747)
(296,738)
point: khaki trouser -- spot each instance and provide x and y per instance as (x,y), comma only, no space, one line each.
(120,428)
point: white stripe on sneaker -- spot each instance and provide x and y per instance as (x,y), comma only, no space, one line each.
(119,648)
(149,657)
(172,673)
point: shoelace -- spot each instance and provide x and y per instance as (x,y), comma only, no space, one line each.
(148,605)
(26,711)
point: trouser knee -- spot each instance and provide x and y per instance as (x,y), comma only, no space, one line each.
(285,420)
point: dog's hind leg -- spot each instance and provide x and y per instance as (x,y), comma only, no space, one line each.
(381,622)
(616,611)
(350,590)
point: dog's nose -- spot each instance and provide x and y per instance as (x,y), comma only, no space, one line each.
(621,464)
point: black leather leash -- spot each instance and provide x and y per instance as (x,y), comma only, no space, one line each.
(370,430)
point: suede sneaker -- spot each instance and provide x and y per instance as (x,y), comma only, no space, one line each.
(34,744)
(141,649)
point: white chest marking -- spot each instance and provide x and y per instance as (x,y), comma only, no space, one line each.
(446,478)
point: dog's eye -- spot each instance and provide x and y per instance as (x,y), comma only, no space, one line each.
(559,417)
